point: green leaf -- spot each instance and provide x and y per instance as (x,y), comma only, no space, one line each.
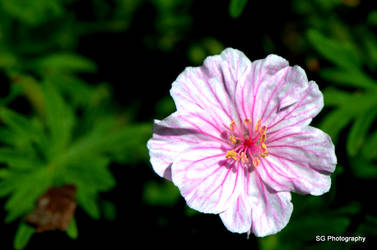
(59,118)
(21,125)
(18,159)
(370,45)
(66,63)
(87,199)
(15,91)
(26,193)
(348,77)
(340,53)
(23,235)
(78,91)
(72,231)
(336,97)
(32,12)
(236,7)
(359,130)
(125,145)
(369,148)
(335,121)
(90,171)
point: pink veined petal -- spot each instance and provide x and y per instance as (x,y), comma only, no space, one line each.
(299,160)
(255,85)
(208,92)
(237,218)
(171,136)
(272,211)
(206,179)
(294,102)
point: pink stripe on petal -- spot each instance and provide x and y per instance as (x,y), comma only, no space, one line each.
(207,180)
(272,213)
(299,160)
(171,136)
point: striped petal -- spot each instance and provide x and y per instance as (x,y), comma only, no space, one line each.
(207,93)
(290,101)
(206,179)
(272,211)
(300,160)
(171,136)
(257,85)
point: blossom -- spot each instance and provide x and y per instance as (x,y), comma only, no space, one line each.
(240,140)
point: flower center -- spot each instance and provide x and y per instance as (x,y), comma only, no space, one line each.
(248,142)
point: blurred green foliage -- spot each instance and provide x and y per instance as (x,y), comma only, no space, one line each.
(73,132)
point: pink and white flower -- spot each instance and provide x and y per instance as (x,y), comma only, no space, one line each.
(240,140)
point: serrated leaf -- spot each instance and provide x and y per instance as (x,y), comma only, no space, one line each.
(78,91)
(359,130)
(59,118)
(18,160)
(21,125)
(348,77)
(91,172)
(26,193)
(23,235)
(125,145)
(236,7)
(72,231)
(340,53)
(87,199)
(66,63)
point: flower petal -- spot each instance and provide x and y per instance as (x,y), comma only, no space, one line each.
(256,84)
(292,101)
(207,180)
(272,212)
(171,136)
(258,208)
(211,87)
(237,218)
(300,160)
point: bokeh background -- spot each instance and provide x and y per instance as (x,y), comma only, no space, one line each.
(81,82)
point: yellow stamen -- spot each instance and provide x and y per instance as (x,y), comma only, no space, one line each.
(232,125)
(257,125)
(255,161)
(233,139)
(232,154)
(263,138)
(247,121)
(263,130)
(264,147)
(244,157)
(264,154)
